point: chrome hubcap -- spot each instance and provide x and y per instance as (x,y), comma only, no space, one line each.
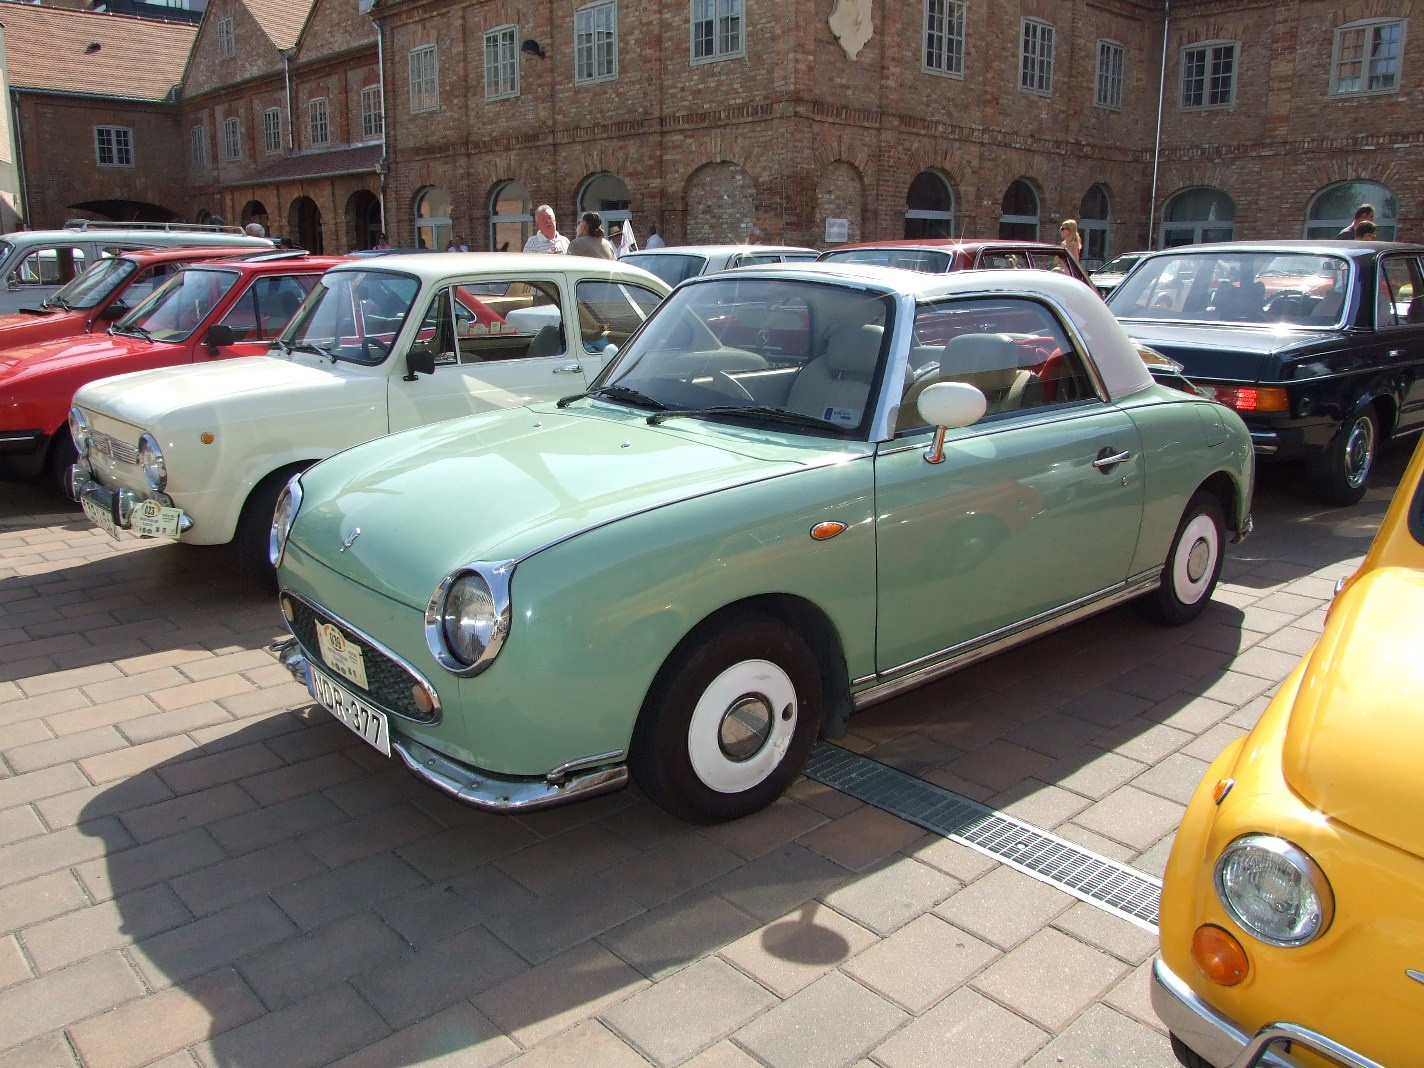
(745,727)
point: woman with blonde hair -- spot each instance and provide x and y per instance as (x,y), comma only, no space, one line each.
(1068,231)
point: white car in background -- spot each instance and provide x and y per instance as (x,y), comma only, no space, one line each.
(675,262)
(387,343)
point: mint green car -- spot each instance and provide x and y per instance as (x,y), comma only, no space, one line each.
(796,491)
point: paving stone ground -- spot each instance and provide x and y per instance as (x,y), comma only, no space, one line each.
(197,867)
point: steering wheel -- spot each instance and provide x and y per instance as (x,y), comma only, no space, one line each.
(1286,305)
(722,382)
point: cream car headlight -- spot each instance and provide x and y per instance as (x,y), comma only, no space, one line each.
(289,503)
(1274,890)
(79,432)
(150,460)
(467,618)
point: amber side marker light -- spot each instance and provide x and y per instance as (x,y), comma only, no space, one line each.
(1221,789)
(206,437)
(827,530)
(1219,955)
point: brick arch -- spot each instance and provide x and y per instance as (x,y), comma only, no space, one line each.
(721,203)
(840,194)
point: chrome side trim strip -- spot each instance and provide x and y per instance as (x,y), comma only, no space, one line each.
(496,793)
(948,661)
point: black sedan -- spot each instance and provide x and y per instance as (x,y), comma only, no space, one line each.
(1319,345)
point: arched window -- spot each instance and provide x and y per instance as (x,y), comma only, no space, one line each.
(1197,215)
(1333,209)
(929,207)
(511,217)
(1093,227)
(432,218)
(1018,218)
(606,194)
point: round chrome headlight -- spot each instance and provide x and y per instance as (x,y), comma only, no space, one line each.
(1274,890)
(150,460)
(289,503)
(468,617)
(79,432)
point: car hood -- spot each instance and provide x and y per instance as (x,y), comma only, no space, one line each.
(145,398)
(502,485)
(1232,353)
(50,356)
(1356,725)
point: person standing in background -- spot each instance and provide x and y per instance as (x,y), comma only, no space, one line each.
(547,237)
(1365,213)
(590,240)
(655,239)
(1068,231)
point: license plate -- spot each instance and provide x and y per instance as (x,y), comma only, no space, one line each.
(100,517)
(340,655)
(369,723)
(154,520)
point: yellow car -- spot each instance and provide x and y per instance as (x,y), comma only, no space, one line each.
(1292,918)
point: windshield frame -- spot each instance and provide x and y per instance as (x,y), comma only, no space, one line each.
(296,336)
(135,322)
(114,272)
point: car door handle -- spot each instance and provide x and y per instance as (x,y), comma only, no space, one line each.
(569,369)
(1107,459)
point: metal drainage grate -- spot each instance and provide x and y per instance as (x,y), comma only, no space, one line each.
(1105,883)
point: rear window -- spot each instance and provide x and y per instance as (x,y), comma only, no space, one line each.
(926,261)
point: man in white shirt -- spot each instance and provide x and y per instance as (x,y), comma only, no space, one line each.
(547,237)
(655,239)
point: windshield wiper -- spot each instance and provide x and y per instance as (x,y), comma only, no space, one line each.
(57,299)
(320,350)
(278,343)
(626,394)
(132,330)
(751,411)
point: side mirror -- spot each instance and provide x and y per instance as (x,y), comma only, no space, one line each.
(114,312)
(420,360)
(610,351)
(12,283)
(949,405)
(219,334)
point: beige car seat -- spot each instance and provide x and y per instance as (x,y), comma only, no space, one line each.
(836,384)
(989,363)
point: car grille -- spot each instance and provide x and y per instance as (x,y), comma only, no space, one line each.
(389,681)
(110,446)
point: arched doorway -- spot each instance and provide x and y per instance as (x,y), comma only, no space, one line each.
(432,218)
(721,204)
(1018,215)
(304,225)
(255,211)
(363,219)
(1333,209)
(1093,215)
(511,217)
(929,206)
(1194,216)
(606,194)
(126,210)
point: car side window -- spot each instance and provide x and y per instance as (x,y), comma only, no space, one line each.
(610,311)
(494,321)
(264,311)
(1001,260)
(1400,296)
(1013,350)
(49,267)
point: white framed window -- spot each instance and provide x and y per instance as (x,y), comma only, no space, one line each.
(198,146)
(373,114)
(232,139)
(272,130)
(717,31)
(501,62)
(1209,75)
(1111,56)
(424,78)
(113,146)
(596,42)
(1366,58)
(944,37)
(227,38)
(318,122)
(1036,57)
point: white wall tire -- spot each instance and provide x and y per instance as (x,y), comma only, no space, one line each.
(1193,564)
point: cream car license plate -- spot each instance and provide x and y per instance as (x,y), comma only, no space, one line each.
(100,517)
(154,520)
(368,722)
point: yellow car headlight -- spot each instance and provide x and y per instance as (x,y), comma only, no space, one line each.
(1274,890)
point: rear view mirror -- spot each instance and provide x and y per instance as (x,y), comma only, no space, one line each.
(114,311)
(420,360)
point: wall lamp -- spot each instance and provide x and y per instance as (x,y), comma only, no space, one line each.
(532,47)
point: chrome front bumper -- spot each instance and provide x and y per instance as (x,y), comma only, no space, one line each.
(483,789)
(1219,1040)
(118,504)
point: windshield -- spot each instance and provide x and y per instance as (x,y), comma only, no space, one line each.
(800,357)
(353,315)
(926,261)
(1119,264)
(1236,286)
(101,279)
(671,268)
(179,306)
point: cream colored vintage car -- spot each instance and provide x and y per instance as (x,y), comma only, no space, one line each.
(382,344)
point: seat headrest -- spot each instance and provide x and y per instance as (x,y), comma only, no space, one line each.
(979,352)
(853,349)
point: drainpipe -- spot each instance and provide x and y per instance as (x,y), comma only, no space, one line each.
(287,74)
(383,168)
(24,184)
(1157,146)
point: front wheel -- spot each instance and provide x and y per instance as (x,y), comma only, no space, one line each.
(254,528)
(729,720)
(1341,473)
(1193,564)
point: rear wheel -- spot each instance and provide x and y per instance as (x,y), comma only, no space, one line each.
(254,529)
(729,721)
(1193,564)
(60,458)
(1186,1055)
(1340,475)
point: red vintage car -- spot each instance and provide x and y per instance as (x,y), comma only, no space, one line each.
(206,311)
(105,292)
(939,255)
